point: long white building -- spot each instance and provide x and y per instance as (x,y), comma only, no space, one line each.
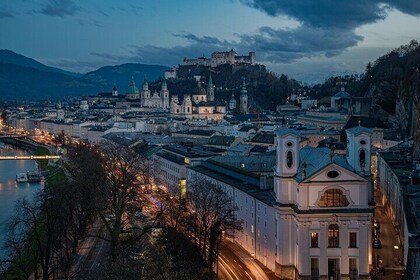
(313,220)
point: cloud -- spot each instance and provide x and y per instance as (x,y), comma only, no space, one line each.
(285,45)
(6,15)
(324,13)
(60,8)
(200,40)
(327,27)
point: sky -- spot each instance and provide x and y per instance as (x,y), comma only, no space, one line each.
(308,40)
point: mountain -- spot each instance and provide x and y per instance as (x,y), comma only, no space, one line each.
(121,75)
(20,83)
(25,78)
(8,56)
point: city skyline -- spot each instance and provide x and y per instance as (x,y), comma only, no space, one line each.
(292,38)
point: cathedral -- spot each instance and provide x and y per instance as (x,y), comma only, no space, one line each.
(199,105)
(147,98)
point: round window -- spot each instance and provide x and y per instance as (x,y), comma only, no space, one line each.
(289,144)
(333,174)
(362,142)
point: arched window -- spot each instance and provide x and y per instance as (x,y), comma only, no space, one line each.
(333,236)
(289,159)
(362,158)
(333,198)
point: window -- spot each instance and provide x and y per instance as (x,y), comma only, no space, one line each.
(333,198)
(289,159)
(353,272)
(362,158)
(333,174)
(314,239)
(333,236)
(289,144)
(314,269)
(353,240)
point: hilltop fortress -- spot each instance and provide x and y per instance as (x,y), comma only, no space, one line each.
(220,58)
(194,66)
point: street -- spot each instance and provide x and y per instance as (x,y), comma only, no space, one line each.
(91,252)
(389,238)
(236,264)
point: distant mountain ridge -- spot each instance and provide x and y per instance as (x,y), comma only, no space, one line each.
(8,56)
(25,78)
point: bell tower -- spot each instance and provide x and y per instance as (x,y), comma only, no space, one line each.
(358,149)
(287,154)
(243,99)
(210,89)
(164,95)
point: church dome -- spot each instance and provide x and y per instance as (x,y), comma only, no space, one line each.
(132,89)
(199,90)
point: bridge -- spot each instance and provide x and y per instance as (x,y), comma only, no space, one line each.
(28,157)
(9,136)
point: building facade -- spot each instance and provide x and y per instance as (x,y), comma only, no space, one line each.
(200,105)
(314,220)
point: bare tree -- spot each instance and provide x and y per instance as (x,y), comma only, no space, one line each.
(35,237)
(123,194)
(211,213)
(87,174)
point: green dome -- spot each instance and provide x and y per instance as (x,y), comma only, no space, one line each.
(132,89)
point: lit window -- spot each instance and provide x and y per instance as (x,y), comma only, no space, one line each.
(242,165)
(333,236)
(187,160)
(333,198)
(314,239)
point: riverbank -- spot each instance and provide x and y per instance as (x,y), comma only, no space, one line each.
(54,176)
(10,190)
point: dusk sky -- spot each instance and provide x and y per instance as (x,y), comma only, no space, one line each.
(305,39)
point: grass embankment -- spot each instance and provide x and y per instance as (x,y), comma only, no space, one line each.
(42,151)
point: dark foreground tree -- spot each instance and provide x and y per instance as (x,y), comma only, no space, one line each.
(123,195)
(37,236)
(210,214)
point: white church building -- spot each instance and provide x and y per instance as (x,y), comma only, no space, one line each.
(315,222)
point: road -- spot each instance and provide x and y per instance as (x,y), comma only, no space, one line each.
(389,238)
(236,264)
(90,254)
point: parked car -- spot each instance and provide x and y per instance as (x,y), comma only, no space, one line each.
(377,243)
(376,224)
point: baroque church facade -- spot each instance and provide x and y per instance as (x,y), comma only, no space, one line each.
(323,211)
(147,98)
(199,105)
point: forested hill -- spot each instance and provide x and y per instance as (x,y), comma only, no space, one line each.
(265,89)
(381,79)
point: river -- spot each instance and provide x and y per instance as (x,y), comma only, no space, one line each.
(10,191)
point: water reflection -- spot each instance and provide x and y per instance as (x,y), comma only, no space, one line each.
(10,190)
